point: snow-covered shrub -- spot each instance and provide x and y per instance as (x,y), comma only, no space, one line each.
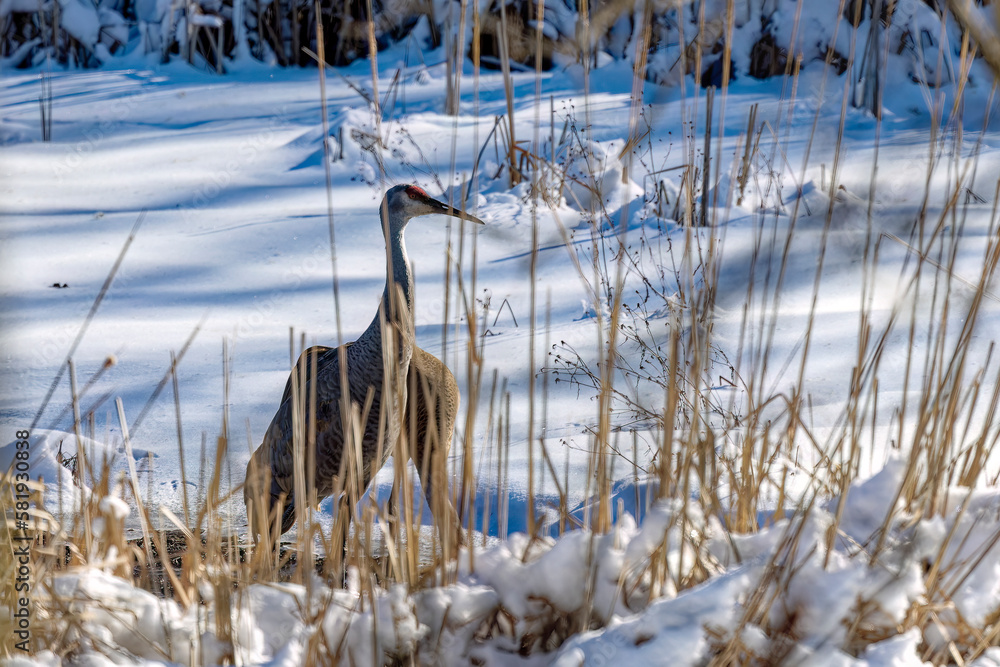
(763,38)
(77,33)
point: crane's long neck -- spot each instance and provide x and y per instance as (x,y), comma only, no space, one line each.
(398,276)
(397,298)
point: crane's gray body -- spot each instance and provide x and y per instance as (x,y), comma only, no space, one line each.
(378,374)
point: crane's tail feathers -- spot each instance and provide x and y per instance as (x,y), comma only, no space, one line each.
(288,515)
(264,508)
(286,502)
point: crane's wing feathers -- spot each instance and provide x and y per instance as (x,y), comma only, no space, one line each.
(325,387)
(305,361)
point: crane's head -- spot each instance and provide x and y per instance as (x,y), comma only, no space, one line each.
(403,202)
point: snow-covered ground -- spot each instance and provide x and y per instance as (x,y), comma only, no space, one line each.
(234,242)
(526,601)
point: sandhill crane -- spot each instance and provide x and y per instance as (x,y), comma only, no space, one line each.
(376,365)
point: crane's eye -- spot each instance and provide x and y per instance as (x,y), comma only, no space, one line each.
(413,192)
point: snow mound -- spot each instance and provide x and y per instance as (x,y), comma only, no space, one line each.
(782,593)
(70,468)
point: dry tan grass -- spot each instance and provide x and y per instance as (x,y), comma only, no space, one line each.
(200,550)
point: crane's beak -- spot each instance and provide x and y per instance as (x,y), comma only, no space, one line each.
(444,209)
